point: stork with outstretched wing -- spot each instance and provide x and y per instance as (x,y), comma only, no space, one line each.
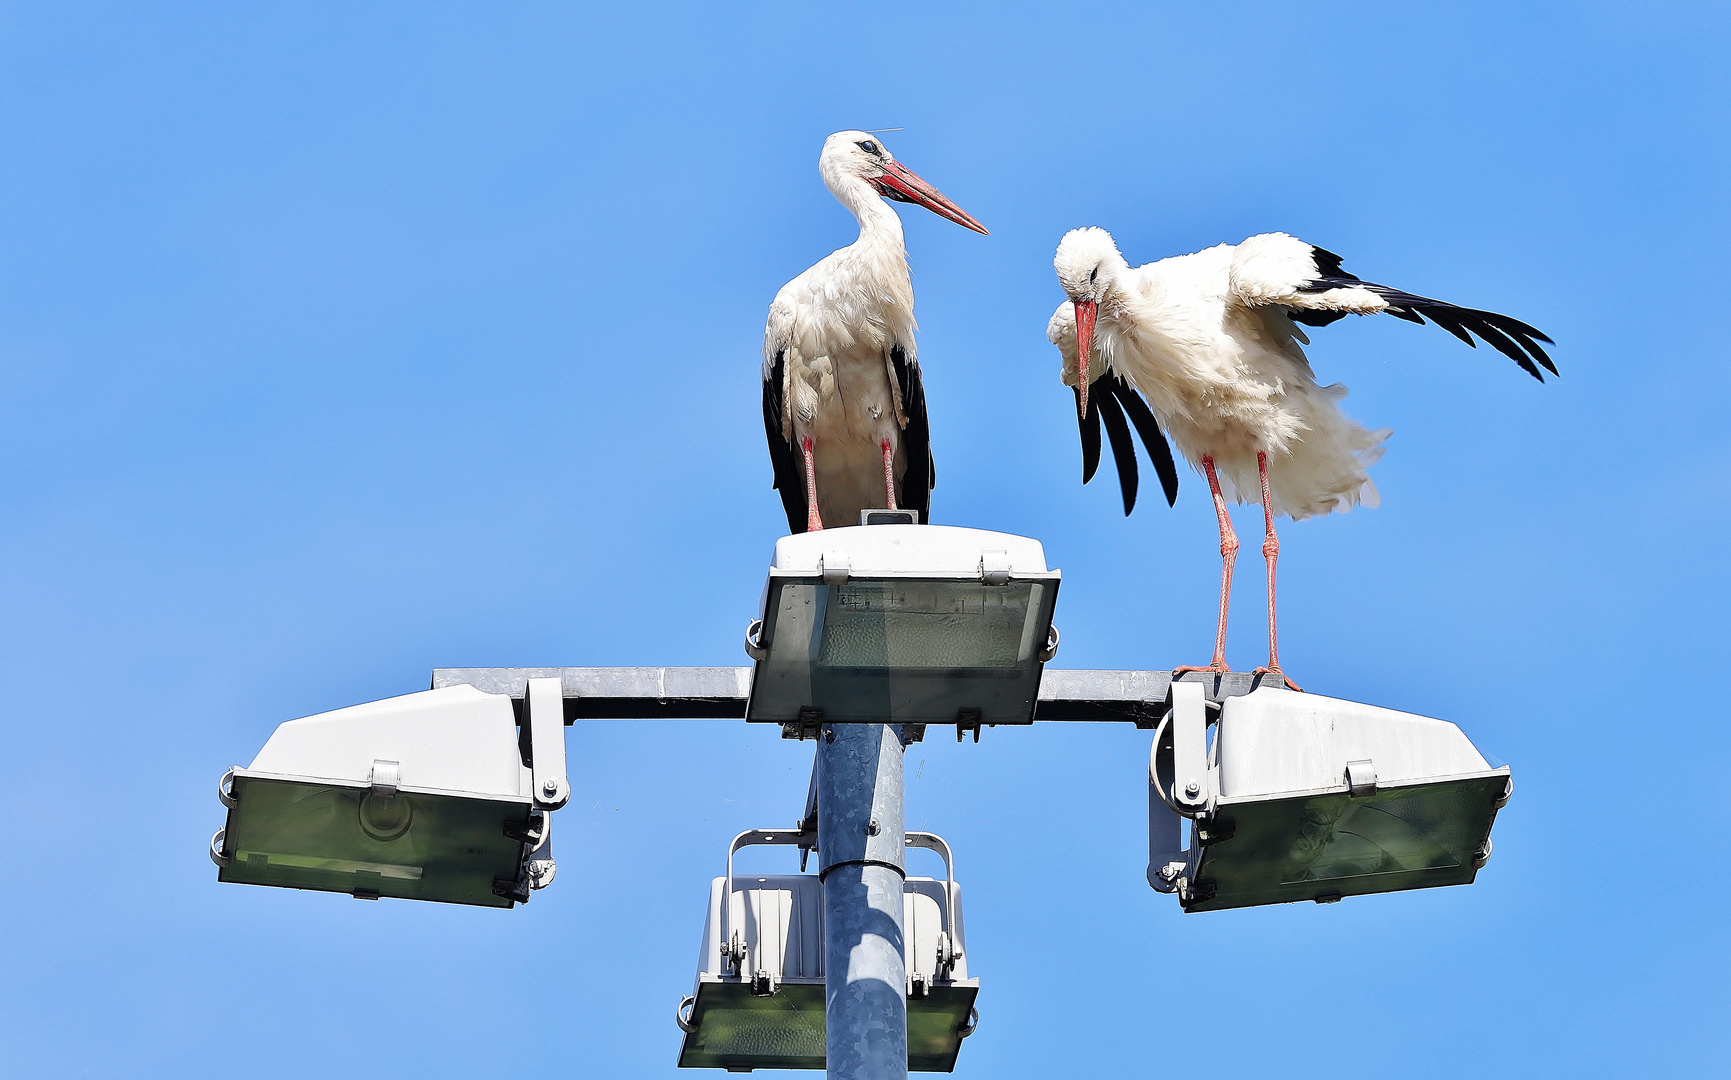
(1208,347)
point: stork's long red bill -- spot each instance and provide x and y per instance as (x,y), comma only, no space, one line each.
(902,184)
(1085,312)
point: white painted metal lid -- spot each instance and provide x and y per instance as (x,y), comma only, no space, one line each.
(1274,741)
(919,550)
(457,739)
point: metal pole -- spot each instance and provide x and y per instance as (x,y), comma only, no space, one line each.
(861,859)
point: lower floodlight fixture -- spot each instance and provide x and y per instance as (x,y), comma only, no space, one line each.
(1303,797)
(431,796)
(902,624)
(759,998)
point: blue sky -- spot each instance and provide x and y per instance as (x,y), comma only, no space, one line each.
(340,342)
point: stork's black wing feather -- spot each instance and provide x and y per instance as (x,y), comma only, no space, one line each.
(1090,428)
(1314,317)
(1511,337)
(1123,450)
(1152,437)
(1116,400)
(784,458)
(920,474)
(1328,264)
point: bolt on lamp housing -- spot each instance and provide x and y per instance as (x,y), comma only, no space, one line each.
(420,797)
(1303,797)
(915,624)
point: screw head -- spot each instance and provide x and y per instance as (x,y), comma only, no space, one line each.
(872,827)
(1192,788)
(550,788)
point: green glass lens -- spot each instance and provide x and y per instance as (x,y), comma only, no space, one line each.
(925,624)
(416,846)
(903,651)
(736,1030)
(1323,847)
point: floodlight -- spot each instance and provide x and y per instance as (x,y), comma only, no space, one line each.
(902,624)
(430,796)
(759,998)
(1303,797)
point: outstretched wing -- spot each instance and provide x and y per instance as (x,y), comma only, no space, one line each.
(1117,400)
(1308,281)
(920,474)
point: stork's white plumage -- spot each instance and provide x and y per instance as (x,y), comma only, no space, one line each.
(843,404)
(1212,341)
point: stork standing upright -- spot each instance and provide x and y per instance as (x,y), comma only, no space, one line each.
(843,405)
(1212,341)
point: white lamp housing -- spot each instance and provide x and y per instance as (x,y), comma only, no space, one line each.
(759,1000)
(429,796)
(1304,797)
(896,624)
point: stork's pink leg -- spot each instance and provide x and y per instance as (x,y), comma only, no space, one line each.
(889,476)
(1228,556)
(813,523)
(1271,552)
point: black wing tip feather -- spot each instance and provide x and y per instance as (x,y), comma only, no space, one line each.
(1112,400)
(1508,335)
(916,437)
(789,480)
(1311,317)
(1153,439)
(1123,450)
(1328,264)
(1089,427)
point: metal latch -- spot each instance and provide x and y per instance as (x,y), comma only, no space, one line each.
(808,726)
(834,565)
(385,778)
(1191,782)
(544,713)
(995,567)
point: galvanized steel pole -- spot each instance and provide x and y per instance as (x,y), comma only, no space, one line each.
(861,859)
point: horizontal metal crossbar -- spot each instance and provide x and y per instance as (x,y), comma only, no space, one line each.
(720,693)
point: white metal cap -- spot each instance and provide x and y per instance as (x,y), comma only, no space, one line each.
(915,550)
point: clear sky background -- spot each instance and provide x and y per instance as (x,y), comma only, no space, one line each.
(339,342)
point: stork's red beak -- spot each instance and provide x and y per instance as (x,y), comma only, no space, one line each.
(900,183)
(1085,312)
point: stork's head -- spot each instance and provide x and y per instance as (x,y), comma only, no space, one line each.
(852,157)
(1088,266)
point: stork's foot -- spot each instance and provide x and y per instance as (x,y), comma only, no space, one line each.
(1290,685)
(1218,667)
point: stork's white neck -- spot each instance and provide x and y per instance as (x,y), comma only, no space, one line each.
(878,224)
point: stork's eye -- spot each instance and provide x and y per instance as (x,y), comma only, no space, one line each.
(868,146)
(1092,274)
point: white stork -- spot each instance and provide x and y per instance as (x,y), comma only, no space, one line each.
(843,404)
(1211,340)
